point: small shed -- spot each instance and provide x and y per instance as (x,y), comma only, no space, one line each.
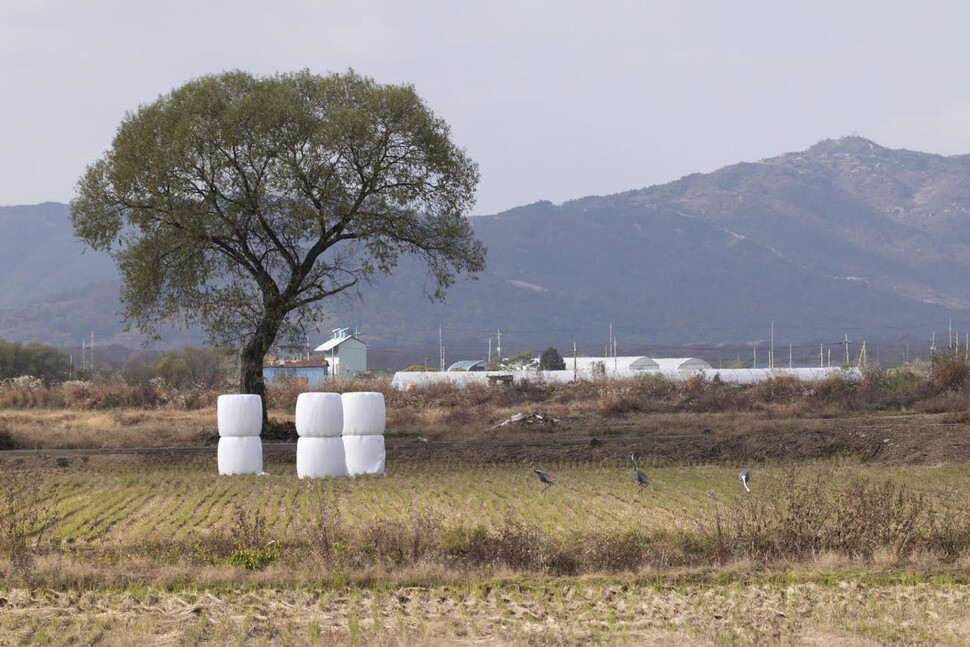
(346,353)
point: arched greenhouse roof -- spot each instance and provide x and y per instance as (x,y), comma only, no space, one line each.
(671,364)
(468,365)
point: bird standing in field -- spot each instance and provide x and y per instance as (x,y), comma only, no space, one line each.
(545,478)
(745,476)
(640,477)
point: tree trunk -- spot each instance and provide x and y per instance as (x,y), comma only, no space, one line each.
(251,378)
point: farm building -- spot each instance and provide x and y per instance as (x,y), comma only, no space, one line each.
(589,367)
(756,375)
(346,353)
(594,366)
(408,380)
(468,365)
(680,364)
(310,373)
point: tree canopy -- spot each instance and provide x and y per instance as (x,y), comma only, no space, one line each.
(551,360)
(37,360)
(241,204)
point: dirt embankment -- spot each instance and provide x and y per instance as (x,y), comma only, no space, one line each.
(901,439)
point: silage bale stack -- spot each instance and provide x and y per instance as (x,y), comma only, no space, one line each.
(319,423)
(240,422)
(363,432)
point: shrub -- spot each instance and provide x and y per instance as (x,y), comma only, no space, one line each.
(950,370)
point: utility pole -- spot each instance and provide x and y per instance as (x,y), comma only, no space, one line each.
(771,353)
(821,355)
(489,350)
(498,348)
(441,350)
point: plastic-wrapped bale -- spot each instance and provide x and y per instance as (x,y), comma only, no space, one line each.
(365,454)
(240,455)
(364,414)
(319,415)
(239,415)
(320,457)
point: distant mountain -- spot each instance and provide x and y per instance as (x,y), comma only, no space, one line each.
(846,237)
(39,256)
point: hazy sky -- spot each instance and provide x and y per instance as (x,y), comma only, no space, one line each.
(554,99)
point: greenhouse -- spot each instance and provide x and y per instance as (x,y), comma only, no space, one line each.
(668,368)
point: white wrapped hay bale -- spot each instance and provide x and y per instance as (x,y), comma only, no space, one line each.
(364,414)
(320,457)
(240,455)
(239,415)
(319,415)
(365,454)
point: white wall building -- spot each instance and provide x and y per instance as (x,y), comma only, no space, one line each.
(678,369)
(346,353)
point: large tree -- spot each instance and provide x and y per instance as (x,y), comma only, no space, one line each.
(241,203)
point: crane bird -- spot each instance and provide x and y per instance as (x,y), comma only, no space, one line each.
(745,476)
(545,478)
(640,477)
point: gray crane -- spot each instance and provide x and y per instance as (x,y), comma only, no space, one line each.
(640,477)
(745,476)
(545,478)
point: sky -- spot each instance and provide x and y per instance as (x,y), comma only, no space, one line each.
(554,99)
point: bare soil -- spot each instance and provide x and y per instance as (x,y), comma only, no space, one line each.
(663,439)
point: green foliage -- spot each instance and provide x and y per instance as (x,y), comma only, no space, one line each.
(458,541)
(179,369)
(37,360)
(517,361)
(551,360)
(241,203)
(255,559)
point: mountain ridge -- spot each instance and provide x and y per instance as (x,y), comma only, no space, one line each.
(844,236)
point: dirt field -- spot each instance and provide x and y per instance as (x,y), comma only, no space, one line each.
(737,438)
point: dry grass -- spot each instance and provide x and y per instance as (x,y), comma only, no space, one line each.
(573,611)
(69,428)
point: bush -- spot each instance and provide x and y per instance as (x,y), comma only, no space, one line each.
(950,370)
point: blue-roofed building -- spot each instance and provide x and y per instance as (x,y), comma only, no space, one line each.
(310,373)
